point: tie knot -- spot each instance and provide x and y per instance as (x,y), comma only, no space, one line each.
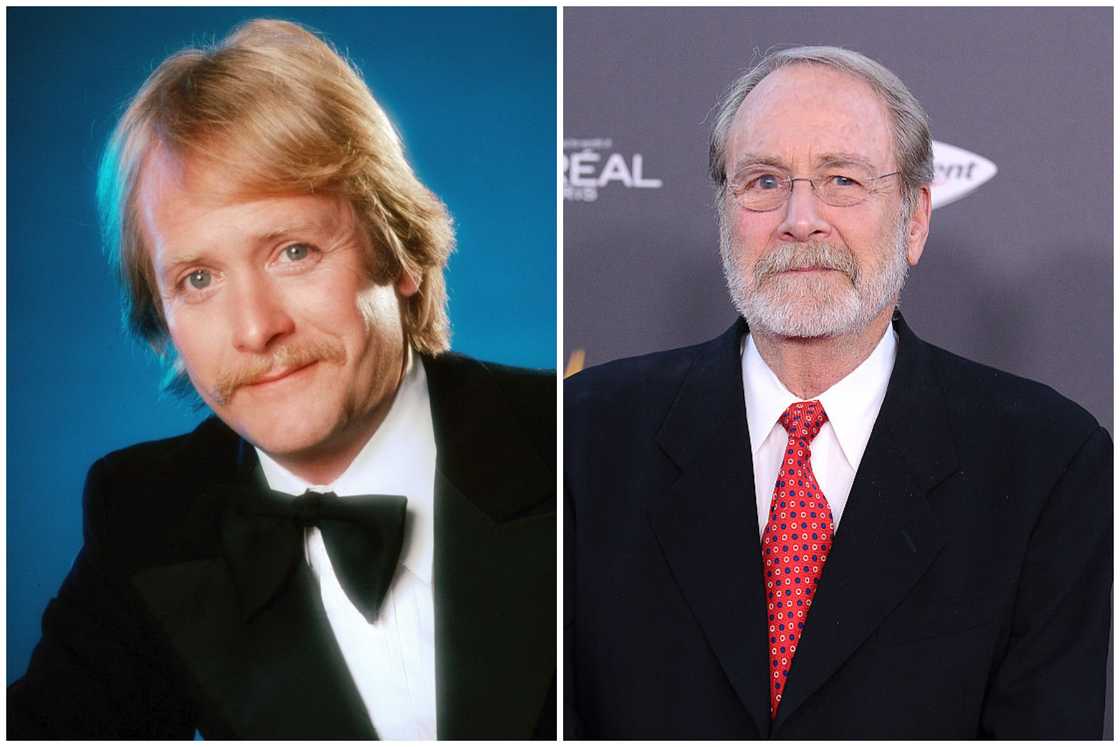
(308,509)
(804,419)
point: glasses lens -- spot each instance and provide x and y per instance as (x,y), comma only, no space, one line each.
(839,188)
(762,191)
(843,188)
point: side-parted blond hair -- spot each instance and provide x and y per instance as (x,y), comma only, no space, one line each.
(282,112)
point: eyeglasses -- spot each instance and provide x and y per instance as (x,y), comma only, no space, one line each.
(761,191)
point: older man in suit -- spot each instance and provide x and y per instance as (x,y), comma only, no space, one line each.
(360,543)
(817,525)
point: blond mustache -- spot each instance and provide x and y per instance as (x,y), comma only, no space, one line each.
(788,257)
(285,356)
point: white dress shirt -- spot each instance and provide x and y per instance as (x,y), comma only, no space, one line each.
(852,405)
(392,660)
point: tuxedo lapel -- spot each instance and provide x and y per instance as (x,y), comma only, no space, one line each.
(495,619)
(706,523)
(889,534)
(267,667)
(266,664)
(494,573)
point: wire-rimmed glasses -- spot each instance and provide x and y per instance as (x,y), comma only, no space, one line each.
(762,189)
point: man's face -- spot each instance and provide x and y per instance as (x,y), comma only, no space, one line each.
(807,269)
(271,308)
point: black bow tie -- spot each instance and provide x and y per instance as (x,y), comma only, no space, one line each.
(263,538)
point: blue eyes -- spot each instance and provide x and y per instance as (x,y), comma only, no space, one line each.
(770,181)
(762,191)
(199,279)
(296,252)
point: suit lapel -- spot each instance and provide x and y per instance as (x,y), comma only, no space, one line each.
(268,668)
(706,523)
(494,573)
(889,534)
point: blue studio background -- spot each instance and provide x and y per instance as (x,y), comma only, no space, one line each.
(472,91)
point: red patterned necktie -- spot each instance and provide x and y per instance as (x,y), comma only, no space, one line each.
(795,543)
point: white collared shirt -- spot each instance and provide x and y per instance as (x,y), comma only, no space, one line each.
(391,660)
(852,405)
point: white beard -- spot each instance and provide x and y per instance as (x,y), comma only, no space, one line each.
(814,304)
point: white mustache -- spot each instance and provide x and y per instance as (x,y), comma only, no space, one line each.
(786,257)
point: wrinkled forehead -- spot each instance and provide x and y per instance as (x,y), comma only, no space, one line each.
(802,113)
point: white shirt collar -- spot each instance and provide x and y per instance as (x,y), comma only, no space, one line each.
(399,459)
(852,404)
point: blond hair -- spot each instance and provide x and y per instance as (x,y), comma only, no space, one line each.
(284,113)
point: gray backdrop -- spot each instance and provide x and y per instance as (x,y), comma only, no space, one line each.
(1016,274)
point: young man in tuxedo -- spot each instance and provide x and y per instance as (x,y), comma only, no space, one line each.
(817,525)
(361,542)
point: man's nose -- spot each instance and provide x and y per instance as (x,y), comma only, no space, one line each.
(258,315)
(802,219)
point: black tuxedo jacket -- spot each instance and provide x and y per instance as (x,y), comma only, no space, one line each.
(967,593)
(151,637)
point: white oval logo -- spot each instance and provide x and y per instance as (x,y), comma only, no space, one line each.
(956,172)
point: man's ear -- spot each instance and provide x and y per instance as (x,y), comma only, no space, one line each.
(919,225)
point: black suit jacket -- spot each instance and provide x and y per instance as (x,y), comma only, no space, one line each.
(150,635)
(967,593)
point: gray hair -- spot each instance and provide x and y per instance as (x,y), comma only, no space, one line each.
(912,143)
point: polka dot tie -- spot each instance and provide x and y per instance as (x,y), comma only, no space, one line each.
(795,543)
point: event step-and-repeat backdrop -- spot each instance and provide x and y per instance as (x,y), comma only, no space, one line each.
(1017,272)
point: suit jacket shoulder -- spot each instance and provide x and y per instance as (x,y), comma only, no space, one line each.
(619,410)
(521,398)
(104,667)
(650,379)
(1025,411)
(496,432)
(147,504)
